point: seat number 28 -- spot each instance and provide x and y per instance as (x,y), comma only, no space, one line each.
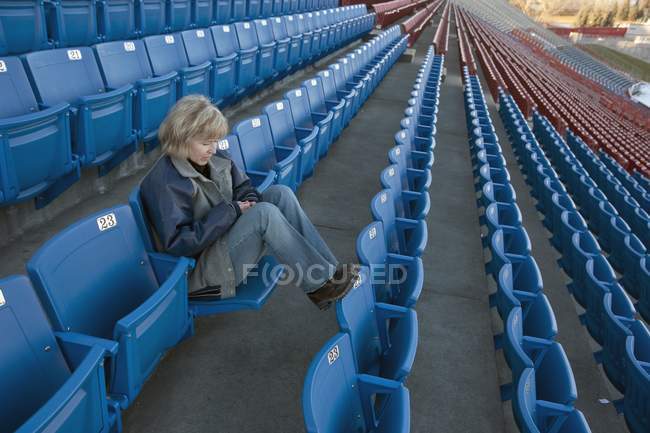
(106,222)
(333,354)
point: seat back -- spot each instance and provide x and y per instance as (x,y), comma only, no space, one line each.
(117,19)
(256,143)
(22,27)
(339,76)
(73,22)
(382,207)
(246,36)
(166,53)
(283,129)
(316,94)
(231,145)
(371,250)
(223,12)
(180,14)
(93,273)
(203,12)
(225,39)
(331,402)
(123,62)
(279,28)
(151,16)
(300,107)
(264,31)
(390,179)
(329,85)
(291,24)
(554,377)
(31,374)
(198,46)
(18,97)
(637,381)
(74,70)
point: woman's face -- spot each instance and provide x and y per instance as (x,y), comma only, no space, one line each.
(201,150)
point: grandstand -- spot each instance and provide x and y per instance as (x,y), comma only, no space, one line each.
(491,179)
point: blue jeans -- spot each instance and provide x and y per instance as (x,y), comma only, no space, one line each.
(279,224)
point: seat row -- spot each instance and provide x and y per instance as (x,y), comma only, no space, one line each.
(91,107)
(610,316)
(101,307)
(356,381)
(31,25)
(543,389)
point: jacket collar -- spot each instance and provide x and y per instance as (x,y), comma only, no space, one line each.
(185,169)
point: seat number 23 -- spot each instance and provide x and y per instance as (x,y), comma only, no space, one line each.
(106,222)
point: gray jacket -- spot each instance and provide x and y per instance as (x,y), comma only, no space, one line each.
(191,214)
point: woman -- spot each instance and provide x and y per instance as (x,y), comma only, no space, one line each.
(202,205)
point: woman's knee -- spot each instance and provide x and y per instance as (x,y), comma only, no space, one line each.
(278,193)
(265,211)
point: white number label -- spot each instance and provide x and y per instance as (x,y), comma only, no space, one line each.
(391,172)
(264,22)
(223,144)
(345,61)
(326,74)
(247,26)
(298,93)
(200,34)
(129,46)
(372,233)
(279,106)
(3,66)
(2,299)
(74,54)
(169,39)
(277,20)
(106,222)
(398,151)
(300,17)
(290,18)
(333,355)
(352,55)
(336,67)
(313,82)
(226,29)
(402,134)
(383,197)
(256,122)
(357,282)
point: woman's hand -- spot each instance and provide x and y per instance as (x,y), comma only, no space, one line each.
(245,205)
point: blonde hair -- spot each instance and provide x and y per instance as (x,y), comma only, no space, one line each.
(193,117)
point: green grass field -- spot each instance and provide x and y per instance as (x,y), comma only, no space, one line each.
(633,66)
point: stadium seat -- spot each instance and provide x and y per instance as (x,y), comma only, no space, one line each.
(320,107)
(126,62)
(223,11)
(55,384)
(403,236)
(151,17)
(306,118)
(101,119)
(167,54)
(335,101)
(507,244)
(99,286)
(519,284)
(253,8)
(180,14)
(413,179)
(349,92)
(279,54)
(408,204)
(287,136)
(384,337)
(545,395)
(247,50)
(203,13)
(560,203)
(36,159)
(637,382)
(117,19)
(283,49)
(261,156)
(22,27)
(337,398)
(72,23)
(261,182)
(583,248)
(419,142)
(285,27)
(266,9)
(497,193)
(499,215)
(417,159)
(238,11)
(261,31)
(397,279)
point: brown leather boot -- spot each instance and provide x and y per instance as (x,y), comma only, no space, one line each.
(336,287)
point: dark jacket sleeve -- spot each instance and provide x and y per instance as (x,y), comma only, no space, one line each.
(169,204)
(243,189)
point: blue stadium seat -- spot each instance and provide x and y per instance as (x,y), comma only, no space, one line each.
(497,193)
(277,7)
(261,156)
(167,54)
(408,204)
(101,119)
(203,13)
(72,23)
(223,11)
(420,140)
(507,244)
(180,14)
(334,100)
(499,215)
(229,71)
(151,17)
(560,203)
(55,384)
(519,284)
(637,382)
(384,337)
(306,27)
(612,239)
(126,62)
(545,395)
(321,107)
(404,236)
(286,26)
(337,398)
(238,11)
(253,9)
(223,73)
(22,27)
(266,62)
(266,9)
(287,136)
(583,248)
(413,179)
(419,160)
(116,19)
(397,279)
(247,49)
(261,182)
(100,286)
(36,157)
(305,117)
(282,51)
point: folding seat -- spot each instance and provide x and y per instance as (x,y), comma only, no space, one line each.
(346,90)
(151,17)
(244,62)
(526,339)
(167,54)
(420,139)
(283,59)
(55,384)
(318,104)
(549,186)
(223,11)
(641,225)
(116,19)
(507,244)
(412,179)
(408,204)
(250,57)
(290,26)
(261,156)
(72,23)
(637,382)
(417,159)
(287,135)
(320,21)
(238,11)
(613,239)
(43,135)
(100,286)
(101,119)
(203,12)
(265,35)
(384,337)
(519,282)
(261,181)
(22,27)
(304,117)
(337,398)
(307,26)
(403,236)
(560,203)
(497,192)
(306,37)
(199,48)
(267,48)
(335,98)
(397,279)
(499,215)
(545,395)
(494,175)
(180,14)
(253,9)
